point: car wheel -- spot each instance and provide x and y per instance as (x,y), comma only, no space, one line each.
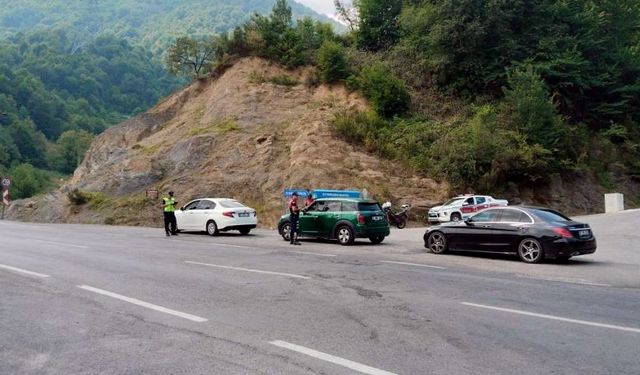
(286,231)
(436,243)
(456,217)
(245,231)
(376,239)
(212,228)
(530,250)
(345,235)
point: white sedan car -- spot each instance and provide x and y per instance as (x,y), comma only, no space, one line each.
(215,215)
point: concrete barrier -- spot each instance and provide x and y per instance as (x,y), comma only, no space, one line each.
(613,203)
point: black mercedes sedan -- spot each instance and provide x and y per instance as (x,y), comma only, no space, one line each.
(531,232)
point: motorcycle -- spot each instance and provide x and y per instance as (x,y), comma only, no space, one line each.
(399,219)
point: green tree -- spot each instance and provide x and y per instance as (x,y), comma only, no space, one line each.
(27,181)
(387,93)
(191,57)
(378,27)
(332,62)
(527,107)
(70,150)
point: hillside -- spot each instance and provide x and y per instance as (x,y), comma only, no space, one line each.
(239,136)
(152,23)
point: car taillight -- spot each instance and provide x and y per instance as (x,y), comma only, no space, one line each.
(228,214)
(562,232)
(360,219)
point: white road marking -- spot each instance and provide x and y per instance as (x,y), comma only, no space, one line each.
(413,264)
(249,270)
(58,243)
(143,304)
(20,270)
(331,358)
(569,281)
(552,317)
(236,246)
(309,253)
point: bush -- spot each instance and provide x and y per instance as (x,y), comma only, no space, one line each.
(332,62)
(387,93)
(362,128)
(70,150)
(27,181)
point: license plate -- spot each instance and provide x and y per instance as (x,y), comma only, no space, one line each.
(584,233)
(243,214)
(376,218)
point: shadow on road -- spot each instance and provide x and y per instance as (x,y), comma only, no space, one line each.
(514,258)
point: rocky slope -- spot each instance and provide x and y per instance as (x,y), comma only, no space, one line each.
(240,136)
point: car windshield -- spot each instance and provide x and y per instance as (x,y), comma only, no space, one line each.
(550,215)
(231,204)
(369,207)
(454,201)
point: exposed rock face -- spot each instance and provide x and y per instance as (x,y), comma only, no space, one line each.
(231,137)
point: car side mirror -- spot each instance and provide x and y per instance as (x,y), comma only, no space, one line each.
(465,203)
(468,221)
(181,208)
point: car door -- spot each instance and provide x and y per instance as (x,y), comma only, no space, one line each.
(468,207)
(203,213)
(475,233)
(308,224)
(511,226)
(332,212)
(186,219)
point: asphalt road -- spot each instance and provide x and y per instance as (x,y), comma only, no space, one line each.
(112,300)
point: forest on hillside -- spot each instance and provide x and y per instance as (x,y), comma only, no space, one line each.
(489,95)
(153,24)
(54,99)
(71,68)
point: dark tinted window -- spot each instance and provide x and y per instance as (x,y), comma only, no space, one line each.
(192,206)
(485,216)
(368,207)
(333,206)
(513,216)
(469,201)
(206,205)
(550,215)
(349,206)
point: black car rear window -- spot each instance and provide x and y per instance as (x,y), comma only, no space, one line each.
(550,215)
(369,207)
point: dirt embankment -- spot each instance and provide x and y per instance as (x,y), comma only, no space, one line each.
(249,134)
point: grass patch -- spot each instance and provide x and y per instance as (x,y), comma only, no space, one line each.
(95,200)
(224,126)
(280,79)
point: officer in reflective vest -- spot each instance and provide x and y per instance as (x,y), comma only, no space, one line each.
(169,208)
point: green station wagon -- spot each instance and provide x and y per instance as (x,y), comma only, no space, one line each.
(343,219)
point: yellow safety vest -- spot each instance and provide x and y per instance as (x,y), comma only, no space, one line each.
(169,204)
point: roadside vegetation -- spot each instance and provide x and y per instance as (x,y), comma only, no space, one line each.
(55,97)
(486,95)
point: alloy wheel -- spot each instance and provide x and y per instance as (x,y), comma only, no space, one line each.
(344,235)
(437,243)
(212,228)
(286,232)
(530,250)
